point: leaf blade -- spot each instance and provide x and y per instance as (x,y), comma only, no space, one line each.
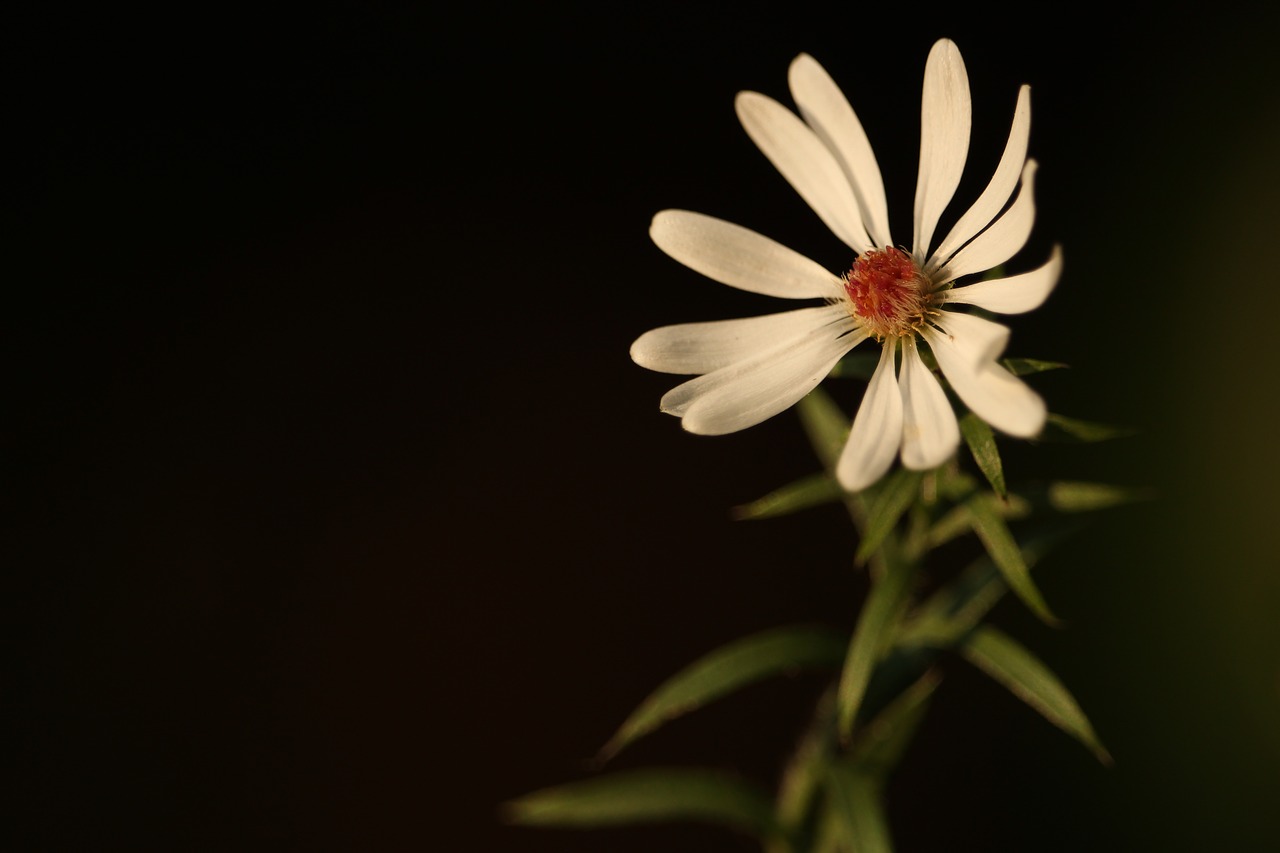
(648,795)
(1027,677)
(871,635)
(730,667)
(982,444)
(813,490)
(1007,556)
(894,497)
(853,799)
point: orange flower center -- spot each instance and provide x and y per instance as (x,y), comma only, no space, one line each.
(887,292)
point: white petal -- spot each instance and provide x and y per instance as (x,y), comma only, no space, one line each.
(930,433)
(739,257)
(746,393)
(1013,295)
(993,198)
(826,110)
(877,428)
(795,150)
(704,347)
(1002,240)
(976,340)
(944,139)
(991,392)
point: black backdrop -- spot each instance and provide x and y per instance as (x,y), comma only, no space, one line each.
(334,512)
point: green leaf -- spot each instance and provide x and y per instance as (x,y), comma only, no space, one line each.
(871,636)
(1004,551)
(1063,429)
(856,365)
(1074,496)
(853,799)
(1011,664)
(895,496)
(826,425)
(805,769)
(982,443)
(811,491)
(886,737)
(728,668)
(650,795)
(1026,366)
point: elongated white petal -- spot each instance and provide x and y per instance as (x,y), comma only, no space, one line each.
(704,347)
(993,198)
(746,393)
(930,433)
(826,110)
(944,139)
(1002,240)
(739,257)
(877,428)
(1016,294)
(991,392)
(796,152)
(976,340)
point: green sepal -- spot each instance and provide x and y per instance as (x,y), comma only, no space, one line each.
(745,661)
(649,795)
(1011,664)
(982,444)
(813,490)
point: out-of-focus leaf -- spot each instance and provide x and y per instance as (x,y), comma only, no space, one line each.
(811,491)
(982,443)
(807,766)
(1027,366)
(1011,664)
(1004,552)
(1070,496)
(871,636)
(651,795)
(886,737)
(853,798)
(856,365)
(731,667)
(895,496)
(1059,428)
(958,520)
(825,424)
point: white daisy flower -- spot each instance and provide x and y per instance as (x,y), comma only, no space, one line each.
(755,367)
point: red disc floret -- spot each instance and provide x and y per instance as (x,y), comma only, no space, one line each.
(886,289)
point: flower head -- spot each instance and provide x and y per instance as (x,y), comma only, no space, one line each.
(753,368)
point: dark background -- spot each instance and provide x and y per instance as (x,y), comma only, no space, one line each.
(335,513)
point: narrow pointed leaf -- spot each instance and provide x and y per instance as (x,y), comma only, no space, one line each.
(1068,496)
(806,768)
(651,795)
(856,365)
(825,424)
(854,801)
(1004,552)
(1026,366)
(1011,664)
(895,496)
(871,636)
(731,667)
(886,737)
(1063,429)
(811,491)
(982,443)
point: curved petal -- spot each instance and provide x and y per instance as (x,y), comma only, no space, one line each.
(796,152)
(993,198)
(826,110)
(976,340)
(1013,295)
(739,257)
(705,347)
(746,393)
(944,139)
(991,392)
(930,433)
(1002,240)
(877,428)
